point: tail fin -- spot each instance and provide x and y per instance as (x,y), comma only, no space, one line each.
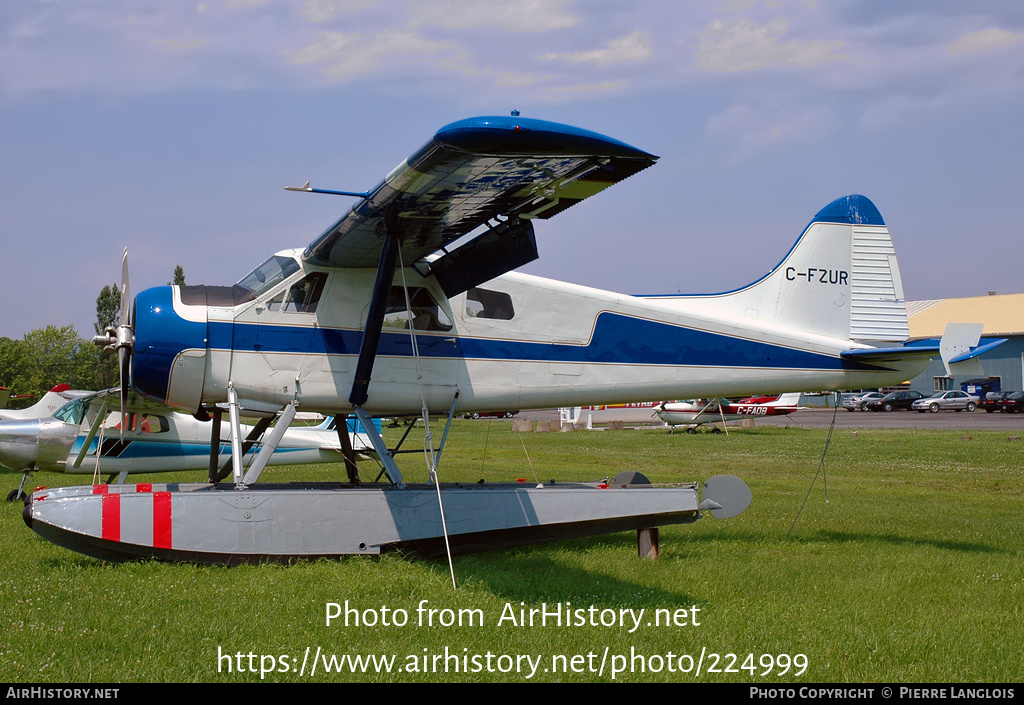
(840,280)
(788,399)
(46,406)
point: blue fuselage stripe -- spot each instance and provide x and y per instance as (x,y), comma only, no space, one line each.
(617,339)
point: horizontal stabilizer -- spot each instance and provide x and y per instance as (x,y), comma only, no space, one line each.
(980,350)
(880,356)
(960,347)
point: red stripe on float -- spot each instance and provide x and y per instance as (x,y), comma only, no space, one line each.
(144,487)
(161,520)
(111,522)
(99,489)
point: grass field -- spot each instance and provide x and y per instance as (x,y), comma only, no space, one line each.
(910,572)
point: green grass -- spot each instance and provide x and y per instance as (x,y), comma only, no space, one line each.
(910,572)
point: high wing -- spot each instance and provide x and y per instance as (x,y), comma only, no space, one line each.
(472,173)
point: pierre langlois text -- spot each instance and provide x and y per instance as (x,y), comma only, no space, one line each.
(558,614)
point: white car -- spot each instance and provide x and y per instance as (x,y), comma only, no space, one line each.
(859,401)
(956,400)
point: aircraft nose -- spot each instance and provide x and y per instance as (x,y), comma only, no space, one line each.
(160,335)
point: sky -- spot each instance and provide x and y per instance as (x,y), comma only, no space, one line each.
(170,128)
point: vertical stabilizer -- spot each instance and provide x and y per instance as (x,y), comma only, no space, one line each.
(840,280)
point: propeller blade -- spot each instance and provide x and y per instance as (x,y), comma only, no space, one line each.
(126,292)
(125,340)
(124,362)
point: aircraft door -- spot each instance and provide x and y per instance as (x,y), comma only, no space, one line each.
(286,332)
(399,374)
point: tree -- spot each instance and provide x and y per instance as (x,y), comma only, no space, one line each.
(179,276)
(108,307)
(53,355)
(14,363)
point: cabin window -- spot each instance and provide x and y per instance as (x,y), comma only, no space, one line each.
(485,303)
(274,270)
(300,297)
(426,314)
(144,423)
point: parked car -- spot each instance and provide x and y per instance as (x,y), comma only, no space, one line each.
(760,399)
(895,400)
(859,401)
(1012,403)
(992,400)
(503,414)
(944,401)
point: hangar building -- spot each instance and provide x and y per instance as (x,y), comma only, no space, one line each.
(1002,316)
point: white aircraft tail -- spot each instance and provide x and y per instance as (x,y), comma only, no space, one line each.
(788,399)
(46,406)
(840,280)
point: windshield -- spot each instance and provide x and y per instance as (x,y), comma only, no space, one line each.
(274,270)
(71,412)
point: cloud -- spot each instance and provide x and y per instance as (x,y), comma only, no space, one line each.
(755,128)
(740,45)
(510,79)
(324,10)
(555,93)
(633,47)
(352,54)
(984,40)
(508,15)
(181,44)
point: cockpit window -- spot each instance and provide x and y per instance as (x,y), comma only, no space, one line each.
(71,412)
(274,270)
(300,297)
(426,314)
(484,303)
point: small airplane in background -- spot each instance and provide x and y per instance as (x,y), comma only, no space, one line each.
(84,437)
(46,406)
(408,305)
(694,413)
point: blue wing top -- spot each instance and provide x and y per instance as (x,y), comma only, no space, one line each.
(471,172)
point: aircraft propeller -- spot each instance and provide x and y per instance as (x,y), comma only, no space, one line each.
(120,339)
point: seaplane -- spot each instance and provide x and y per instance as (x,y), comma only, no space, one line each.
(84,436)
(694,413)
(408,306)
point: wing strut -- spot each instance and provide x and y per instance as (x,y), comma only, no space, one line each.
(371,337)
(215,444)
(341,426)
(375,319)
